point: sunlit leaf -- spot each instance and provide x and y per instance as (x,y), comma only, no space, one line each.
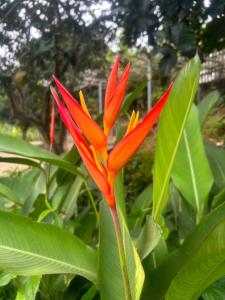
(172,122)
(191,172)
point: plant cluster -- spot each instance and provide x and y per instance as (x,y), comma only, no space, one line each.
(61,238)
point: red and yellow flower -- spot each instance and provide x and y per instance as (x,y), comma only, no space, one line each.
(91,140)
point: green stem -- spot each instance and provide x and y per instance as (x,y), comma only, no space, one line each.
(122,255)
(92,202)
(47,203)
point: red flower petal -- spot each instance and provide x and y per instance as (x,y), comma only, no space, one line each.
(86,155)
(114,106)
(52,126)
(111,83)
(88,126)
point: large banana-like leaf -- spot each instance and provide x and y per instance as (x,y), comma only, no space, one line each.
(140,208)
(28,288)
(172,122)
(110,278)
(206,105)
(198,262)
(191,172)
(216,157)
(22,148)
(148,237)
(9,194)
(29,248)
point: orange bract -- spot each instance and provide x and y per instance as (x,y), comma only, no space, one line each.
(102,166)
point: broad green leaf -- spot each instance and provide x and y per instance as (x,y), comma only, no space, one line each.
(216,156)
(59,193)
(110,276)
(218,199)
(28,248)
(38,188)
(120,193)
(148,238)
(216,291)
(191,172)
(20,161)
(140,208)
(28,288)
(70,201)
(90,295)
(197,264)
(9,194)
(5,278)
(206,105)
(22,148)
(172,122)
(133,96)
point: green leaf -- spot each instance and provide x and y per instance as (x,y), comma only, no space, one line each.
(90,293)
(70,201)
(140,208)
(197,264)
(133,96)
(20,147)
(216,156)
(148,238)
(5,278)
(206,105)
(172,122)
(120,193)
(17,182)
(218,199)
(110,276)
(20,161)
(216,291)
(9,194)
(29,248)
(28,288)
(191,172)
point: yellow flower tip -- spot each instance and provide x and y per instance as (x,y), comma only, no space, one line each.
(136,120)
(83,103)
(133,122)
(106,130)
(104,155)
(84,149)
(97,160)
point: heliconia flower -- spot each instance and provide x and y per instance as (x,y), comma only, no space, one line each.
(115,96)
(52,126)
(85,152)
(112,82)
(102,166)
(96,135)
(125,149)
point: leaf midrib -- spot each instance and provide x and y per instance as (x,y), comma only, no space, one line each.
(42,257)
(192,171)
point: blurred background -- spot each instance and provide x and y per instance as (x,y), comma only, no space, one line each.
(77,40)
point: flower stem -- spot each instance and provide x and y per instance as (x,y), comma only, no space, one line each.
(121,252)
(92,202)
